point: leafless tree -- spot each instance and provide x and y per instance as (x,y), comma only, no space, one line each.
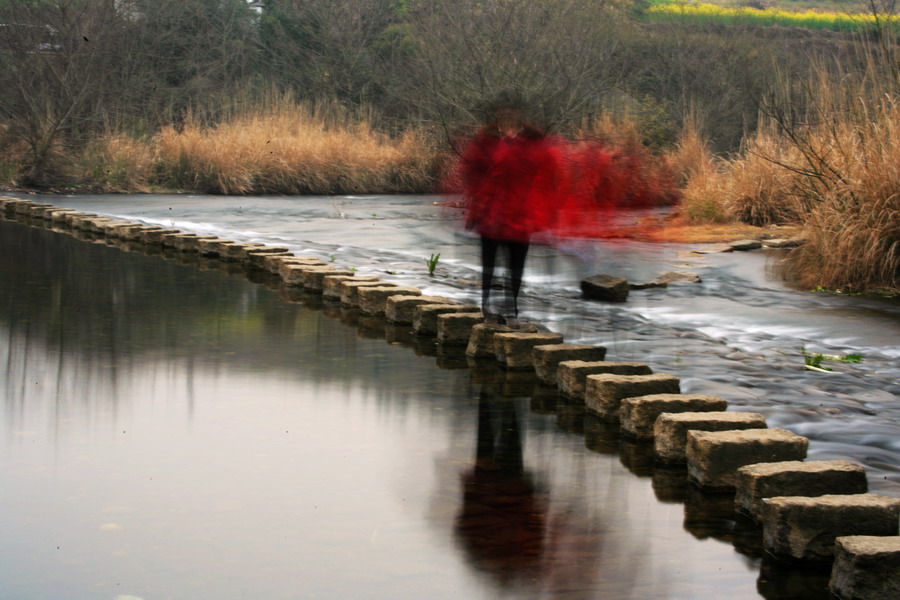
(54,73)
(558,55)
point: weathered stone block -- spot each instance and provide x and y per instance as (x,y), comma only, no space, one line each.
(236,250)
(638,414)
(121,230)
(170,240)
(154,236)
(214,247)
(604,392)
(456,328)
(331,285)
(273,262)
(802,528)
(713,457)
(291,272)
(425,316)
(401,309)
(256,256)
(605,287)
(548,356)
(481,340)
(135,234)
(95,223)
(73,219)
(193,244)
(350,290)
(571,375)
(796,478)
(24,207)
(373,300)
(58,217)
(670,430)
(314,276)
(866,568)
(514,350)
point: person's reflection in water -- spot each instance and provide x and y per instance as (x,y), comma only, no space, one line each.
(502,520)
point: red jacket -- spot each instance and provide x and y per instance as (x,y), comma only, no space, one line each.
(512,185)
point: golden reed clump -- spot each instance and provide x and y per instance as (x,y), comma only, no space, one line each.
(277,147)
(839,179)
(292,150)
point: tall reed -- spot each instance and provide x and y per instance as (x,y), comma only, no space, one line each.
(292,148)
(834,167)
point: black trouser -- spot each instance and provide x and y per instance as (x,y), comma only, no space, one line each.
(516,252)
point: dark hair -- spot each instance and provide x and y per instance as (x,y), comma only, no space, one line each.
(505,99)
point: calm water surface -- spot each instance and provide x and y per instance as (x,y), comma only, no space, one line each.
(177,431)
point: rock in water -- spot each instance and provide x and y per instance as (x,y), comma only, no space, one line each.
(605,287)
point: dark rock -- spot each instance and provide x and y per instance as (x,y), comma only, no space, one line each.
(605,287)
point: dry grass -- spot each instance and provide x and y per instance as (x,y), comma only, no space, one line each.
(837,174)
(117,163)
(292,149)
(854,233)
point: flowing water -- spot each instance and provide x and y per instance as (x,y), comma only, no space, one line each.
(175,430)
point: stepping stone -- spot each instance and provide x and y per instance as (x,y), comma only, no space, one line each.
(670,430)
(193,244)
(548,356)
(402,309)
(273,262)
(713,457)
(213,247)
(256,256)
(373,300)
(455,329)
(236,250)
(350,290)
(331,285)
(425,316)
(154,236)
(314,276)
(481,340)
(58,217)
(796,478)
(604,392)
(571,375)
(514,349)
(638,415)
(292,268)
(171,240)
(800,528)
(292,273)
(866,567)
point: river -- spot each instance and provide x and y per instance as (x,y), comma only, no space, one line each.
(174,432)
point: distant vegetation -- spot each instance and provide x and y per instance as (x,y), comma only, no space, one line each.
(752,113)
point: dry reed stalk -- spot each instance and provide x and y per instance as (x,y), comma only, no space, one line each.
(117,163)
(854,235)
(293,150)
(760,191)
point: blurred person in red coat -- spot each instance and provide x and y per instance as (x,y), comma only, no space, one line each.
(512,181)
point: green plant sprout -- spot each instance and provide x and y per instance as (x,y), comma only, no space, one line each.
(813,360)
(432,262)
